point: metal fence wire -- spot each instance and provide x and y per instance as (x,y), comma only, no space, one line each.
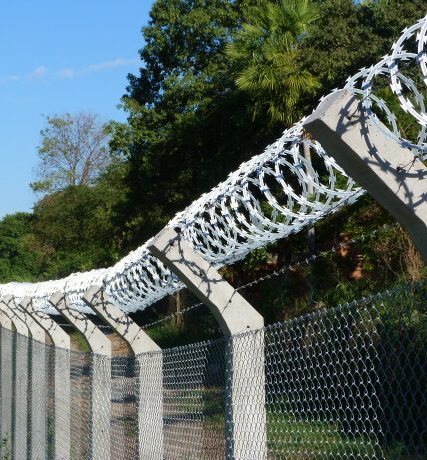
(342,383)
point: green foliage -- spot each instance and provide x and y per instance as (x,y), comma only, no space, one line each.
(188,125)
(73,151)
(5,448)
(79,342)
(313,436)
(392,16)
(17,257)
(266,55)
(341,42)
(350,35)
(75,228)
(196,327)
(70,230)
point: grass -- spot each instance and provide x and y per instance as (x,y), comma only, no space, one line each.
(5,449)
(80,342)
(291,437)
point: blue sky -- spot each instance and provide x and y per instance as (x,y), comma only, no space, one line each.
(59,56)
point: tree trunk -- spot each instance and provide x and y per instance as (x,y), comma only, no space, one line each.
(311,234)
(175,307)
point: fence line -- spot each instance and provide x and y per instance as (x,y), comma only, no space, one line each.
(267,198)
(343,383)
(300,262)
(346,383)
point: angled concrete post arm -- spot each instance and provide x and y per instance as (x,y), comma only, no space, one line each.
(233,313)
(5,321)
(388,171)
(246,418)
(7,304)
(37,332)
(150,372)
(98,342)
(99,301)
(58,336)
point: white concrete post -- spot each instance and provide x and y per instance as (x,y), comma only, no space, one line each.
(389,172)
(62,401)
(20,390)
(38,384)
(101,376)
(58,336)
(246,423)
(149,358)
(37,332)
(6,395)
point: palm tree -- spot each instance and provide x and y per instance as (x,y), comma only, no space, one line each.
(265,53)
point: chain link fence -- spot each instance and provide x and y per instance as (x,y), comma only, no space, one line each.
(342,383)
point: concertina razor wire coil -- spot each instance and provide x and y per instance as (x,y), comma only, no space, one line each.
(267,198)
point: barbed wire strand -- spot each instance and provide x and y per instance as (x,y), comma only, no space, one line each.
(276,273)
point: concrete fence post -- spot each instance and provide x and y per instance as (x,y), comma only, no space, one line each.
(388,171)
(19,440)
(100,409)
(37,384)
(150,370)
(6,385)
(246,421)
(62,401)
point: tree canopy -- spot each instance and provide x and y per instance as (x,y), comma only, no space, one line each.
(20,258)
(108,187)
(74,151)
(266,53)
(188,125)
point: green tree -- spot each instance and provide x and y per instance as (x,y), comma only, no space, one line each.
(341,42)
(392,16)
(188,125)
(74,151)
(75,227)
(18,259)
(266,54)
(350,35)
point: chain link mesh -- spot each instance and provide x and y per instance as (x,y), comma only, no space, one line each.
(344,383)
(124,416)
(6,398)
(39,382)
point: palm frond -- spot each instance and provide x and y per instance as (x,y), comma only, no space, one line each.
(266,51)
